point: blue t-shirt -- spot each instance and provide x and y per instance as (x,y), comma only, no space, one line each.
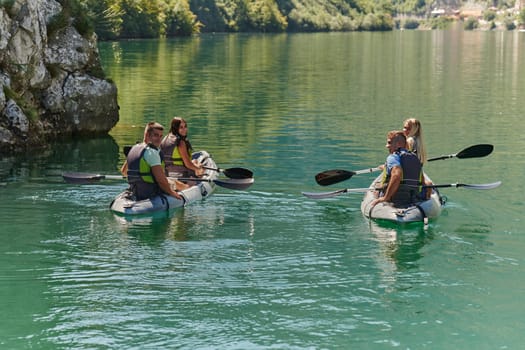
(393,160)
(152,156)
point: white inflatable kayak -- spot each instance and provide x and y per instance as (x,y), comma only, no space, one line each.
(415,212)
(125,204)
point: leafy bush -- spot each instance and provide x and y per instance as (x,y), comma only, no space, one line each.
(521,17)
(7,4)
(264,15)
(489,15)
(142,18)
(411,24)
(180,20)
(509,23)
(106,17)
(440,22)
(470,24)
(71,10)
(377,22)
(29,110)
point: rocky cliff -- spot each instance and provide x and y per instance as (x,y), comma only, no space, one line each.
(51,81)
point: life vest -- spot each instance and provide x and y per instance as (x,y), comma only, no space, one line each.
(171,152)
(410,190)
(141,179)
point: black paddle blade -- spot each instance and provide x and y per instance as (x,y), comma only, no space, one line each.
(238,173)
(235,184)
(476,151)
(334,176)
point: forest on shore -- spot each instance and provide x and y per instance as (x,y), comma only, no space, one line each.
(125,19)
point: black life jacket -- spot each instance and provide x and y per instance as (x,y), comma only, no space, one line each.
(409,190)
(141,179)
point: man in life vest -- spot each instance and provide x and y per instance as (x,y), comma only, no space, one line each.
(402,173)
(144,167)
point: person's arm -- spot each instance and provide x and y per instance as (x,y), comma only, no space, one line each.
(183,151)
(393,185)
(410,144)
(427,182)
(162,181)
(124,168)
(152,157)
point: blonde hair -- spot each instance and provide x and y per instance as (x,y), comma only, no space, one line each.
(415,138)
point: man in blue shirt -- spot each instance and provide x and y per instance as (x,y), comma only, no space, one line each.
(403,173)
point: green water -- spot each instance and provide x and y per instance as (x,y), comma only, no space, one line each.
(269,268)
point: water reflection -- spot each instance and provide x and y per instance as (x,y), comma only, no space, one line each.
(399,249)
(99,154)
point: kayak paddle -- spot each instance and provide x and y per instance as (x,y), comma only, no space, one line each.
(476,151)
(334,176)
(232,184)
(323,195)
(233,173)
(488,186)
(89,178)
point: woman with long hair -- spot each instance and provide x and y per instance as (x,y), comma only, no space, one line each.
(414,134)
(177,151)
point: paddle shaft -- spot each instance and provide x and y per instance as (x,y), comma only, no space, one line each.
(330,177)
(488,186)
(324,195)
(87,178)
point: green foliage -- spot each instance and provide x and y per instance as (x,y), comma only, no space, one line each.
(75,10)
(509,23)
(142,18)
(439,22)
(7,4)
(489,15)
(318,15)
(414,7)
(411,24)
(58,22)
(180,20)
(106,18)
(471,23)
(377,22)
(9,93)
(29,110)
(264,16)
(119,19)
(521,17)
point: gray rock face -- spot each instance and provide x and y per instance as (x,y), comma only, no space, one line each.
(47,90)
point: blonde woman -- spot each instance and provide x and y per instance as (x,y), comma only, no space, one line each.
(414,134)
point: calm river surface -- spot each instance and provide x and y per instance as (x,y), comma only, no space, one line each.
(267,267)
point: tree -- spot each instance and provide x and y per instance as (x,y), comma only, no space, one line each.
(180,20)
(142,18)
(264,15)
